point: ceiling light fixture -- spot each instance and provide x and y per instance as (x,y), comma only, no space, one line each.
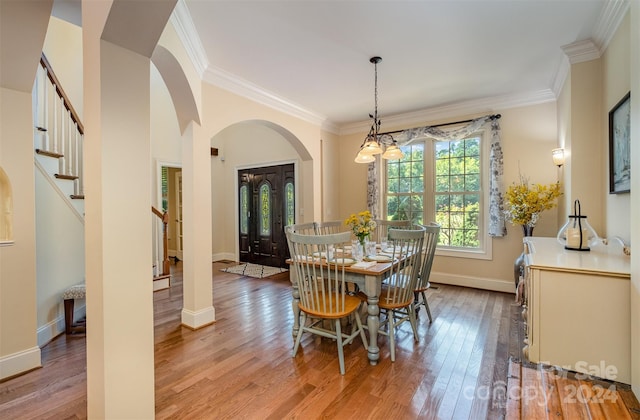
(376,143)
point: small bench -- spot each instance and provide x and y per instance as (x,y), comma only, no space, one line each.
(77,291)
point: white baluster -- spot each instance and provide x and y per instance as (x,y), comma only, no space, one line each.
(80,168)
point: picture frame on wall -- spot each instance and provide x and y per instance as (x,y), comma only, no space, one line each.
(619,146)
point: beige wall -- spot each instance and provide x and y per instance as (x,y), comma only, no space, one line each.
(243,145)
(61,46)
(332,179)
(223,109)
(18,345)
(589,93)
(616,83)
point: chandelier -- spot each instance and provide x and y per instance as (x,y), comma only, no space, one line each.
(376,143)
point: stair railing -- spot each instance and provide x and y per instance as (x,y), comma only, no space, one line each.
(59,131)
(160,224)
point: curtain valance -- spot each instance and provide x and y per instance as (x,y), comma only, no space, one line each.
(497,225)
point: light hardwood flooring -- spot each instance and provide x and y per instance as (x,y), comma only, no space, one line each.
(241,366)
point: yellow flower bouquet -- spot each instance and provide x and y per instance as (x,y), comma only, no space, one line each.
(361,224)
(524,203)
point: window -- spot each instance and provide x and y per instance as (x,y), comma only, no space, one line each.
(405,185)
(244,209)
(457,192)
(265,210)
(442,181)
(165,188)
(290,214)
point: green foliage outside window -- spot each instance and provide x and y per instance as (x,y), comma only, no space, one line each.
(405,185)
(457,190)
(165,188)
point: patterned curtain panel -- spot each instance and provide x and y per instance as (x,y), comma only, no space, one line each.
(497,225)
(373,198)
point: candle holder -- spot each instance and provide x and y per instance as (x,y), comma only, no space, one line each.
(577,234)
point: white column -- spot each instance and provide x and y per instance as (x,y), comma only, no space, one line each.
(198,308)
(120,352)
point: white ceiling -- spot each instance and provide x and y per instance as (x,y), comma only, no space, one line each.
(436,53)
(311,58)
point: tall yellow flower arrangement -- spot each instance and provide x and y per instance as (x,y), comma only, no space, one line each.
(361,224)
(524,203)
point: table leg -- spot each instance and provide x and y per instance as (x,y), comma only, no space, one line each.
(372,289)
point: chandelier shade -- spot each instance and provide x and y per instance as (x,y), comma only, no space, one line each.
(376,143)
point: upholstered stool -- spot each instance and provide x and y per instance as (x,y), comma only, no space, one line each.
(77,291)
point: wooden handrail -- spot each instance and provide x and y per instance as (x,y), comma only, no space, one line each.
(165,239)
(65,99)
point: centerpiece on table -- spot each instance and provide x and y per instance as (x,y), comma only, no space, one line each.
(362,225)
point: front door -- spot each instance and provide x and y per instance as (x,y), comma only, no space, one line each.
(266,205)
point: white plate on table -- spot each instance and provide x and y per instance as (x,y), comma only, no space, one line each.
(379,258)
(342,261)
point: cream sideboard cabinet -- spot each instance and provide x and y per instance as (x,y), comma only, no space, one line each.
(577,308)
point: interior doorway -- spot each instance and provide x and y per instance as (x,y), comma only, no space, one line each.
(266,203)
(171,193)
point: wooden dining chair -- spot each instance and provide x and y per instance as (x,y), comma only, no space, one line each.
(383,226)
(302,228)
(335,226)
(432,232)
(396,297)
(322,289)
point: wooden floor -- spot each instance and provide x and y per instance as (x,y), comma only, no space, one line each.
(546,392)
(241,366)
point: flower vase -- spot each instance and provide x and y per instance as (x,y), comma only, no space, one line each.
(518,265)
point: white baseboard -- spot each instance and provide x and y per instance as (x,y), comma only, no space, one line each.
(223,256)
(195,320)
(17,363)
(475,282)
(161,284)
(52,329)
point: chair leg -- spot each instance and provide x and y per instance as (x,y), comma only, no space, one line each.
(362,334)
(392,339)
(412,321)
(340,348)
(426,306)
(303,320)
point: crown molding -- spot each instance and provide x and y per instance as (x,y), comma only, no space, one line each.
(608,22)
(581,51)
(561,75)
(478,106)
(246,89)
(186,30)
(612,14)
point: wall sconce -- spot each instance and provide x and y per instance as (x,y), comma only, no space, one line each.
(558,157)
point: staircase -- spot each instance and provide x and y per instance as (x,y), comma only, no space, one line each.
(58,137)
(58,141)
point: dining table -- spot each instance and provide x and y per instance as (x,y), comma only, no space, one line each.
(369,280)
